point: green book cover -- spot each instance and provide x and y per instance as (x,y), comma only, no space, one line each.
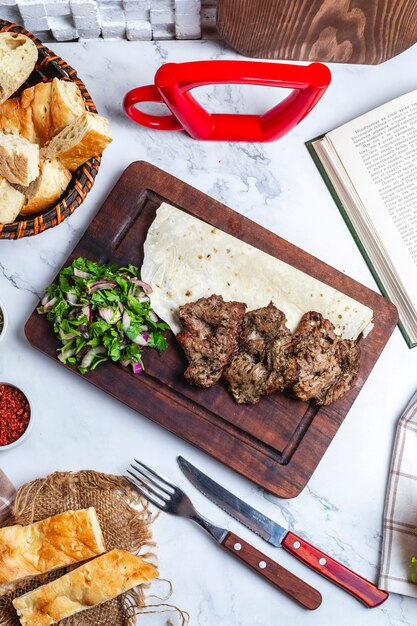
(336,198)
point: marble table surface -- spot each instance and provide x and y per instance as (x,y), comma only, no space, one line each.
(79,427)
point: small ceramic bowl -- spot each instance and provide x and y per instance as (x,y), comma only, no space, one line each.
(5,321)
(26,433)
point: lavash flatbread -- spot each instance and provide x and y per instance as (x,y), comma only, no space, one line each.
(186,259)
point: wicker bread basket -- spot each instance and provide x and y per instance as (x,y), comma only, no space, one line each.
(49,66)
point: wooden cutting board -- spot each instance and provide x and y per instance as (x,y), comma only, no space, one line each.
(277,443)
(344,31)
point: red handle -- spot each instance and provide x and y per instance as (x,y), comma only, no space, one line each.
(362,589)
(173,83)
(284,580)
(149,93)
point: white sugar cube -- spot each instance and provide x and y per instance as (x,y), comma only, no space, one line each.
(187,20)
(36,23)
(65,34)
(32,9)
(187,7)
(163,31)
(84,7)
(162,4)
(110,3)
(86,22)
(113,29)
(76,4)
(57,8)
(89,33)
(110,14)
(188,32)
(9,13)
(136,15)
(162,16)
(63,28)
(140,30)
(138,5)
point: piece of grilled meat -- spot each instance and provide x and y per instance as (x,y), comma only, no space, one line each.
(264,363)
(328,364)
(210,337)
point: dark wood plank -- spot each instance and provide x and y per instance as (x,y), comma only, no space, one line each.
(344,31)
(277,443)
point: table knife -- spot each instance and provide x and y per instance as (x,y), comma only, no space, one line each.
(278,536)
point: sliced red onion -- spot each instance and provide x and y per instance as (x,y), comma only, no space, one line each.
(141,340)
(87,311)
(153,316)
(146,288)
(136,367)
(144,327)
(124,363)
(47,305)
(109,315)
(81,274)
(71,297)
(88,358)
(66,354)
(125,321)
(144,299)
(101,284)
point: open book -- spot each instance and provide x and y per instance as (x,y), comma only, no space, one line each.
(370,167)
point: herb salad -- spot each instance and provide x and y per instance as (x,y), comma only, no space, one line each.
(101,313)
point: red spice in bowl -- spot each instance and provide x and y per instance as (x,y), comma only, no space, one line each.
(14,414)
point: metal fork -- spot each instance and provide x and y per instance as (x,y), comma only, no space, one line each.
(168,497)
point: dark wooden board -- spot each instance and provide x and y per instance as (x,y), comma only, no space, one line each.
(344,31)
(277,443)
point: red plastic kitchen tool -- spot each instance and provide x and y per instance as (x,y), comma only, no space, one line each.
(174,81)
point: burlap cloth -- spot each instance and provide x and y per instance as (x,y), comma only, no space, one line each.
(125,521)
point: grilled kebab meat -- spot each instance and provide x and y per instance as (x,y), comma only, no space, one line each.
(210,337)
(258,355)
(328,364)
(264,363)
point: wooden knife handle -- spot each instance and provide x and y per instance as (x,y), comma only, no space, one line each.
(284,580)
(362,589)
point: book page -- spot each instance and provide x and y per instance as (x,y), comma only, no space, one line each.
(379,153)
